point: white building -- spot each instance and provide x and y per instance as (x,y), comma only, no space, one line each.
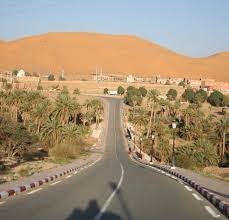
(113,92)
(130,79)
(21,73)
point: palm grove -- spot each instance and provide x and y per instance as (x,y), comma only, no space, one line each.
(201,139)
(29,120)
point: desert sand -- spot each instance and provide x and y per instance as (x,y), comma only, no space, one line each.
(80,53)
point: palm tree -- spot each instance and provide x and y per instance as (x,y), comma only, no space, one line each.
(140,118)
(152,98)
(72,132)
(222,129)
(40,113)
(51,132)
(15,101)
(2,100)
(98,110)
(65,108)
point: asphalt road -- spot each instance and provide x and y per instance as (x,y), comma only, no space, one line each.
(115,188)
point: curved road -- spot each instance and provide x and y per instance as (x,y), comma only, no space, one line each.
(115,188)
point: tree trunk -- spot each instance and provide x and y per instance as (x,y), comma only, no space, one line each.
(223,146)
(150,121)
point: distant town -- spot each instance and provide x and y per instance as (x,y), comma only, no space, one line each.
(24,80)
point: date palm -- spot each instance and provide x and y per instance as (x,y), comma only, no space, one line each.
(40,113)
(64,108)
(71,132)
(51,132)
(14,101)
(152,99)
(222,129)
(97,107)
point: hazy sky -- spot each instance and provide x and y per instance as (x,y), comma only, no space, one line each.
(191,27)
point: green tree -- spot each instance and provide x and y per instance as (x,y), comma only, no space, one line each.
(97,107)
(152,98)
(120,90)
(200,96)
(71,132)
(222,129)
(51,132)
(197,155)
(143,91)
(40,113)
(171,94)
(15,72)
(51,77)
(188,95)
(65,108)
(216,98)
(15,139)
(133,97)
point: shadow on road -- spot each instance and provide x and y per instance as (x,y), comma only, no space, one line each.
(91,211)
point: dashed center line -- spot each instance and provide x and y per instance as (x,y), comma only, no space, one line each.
(197,197)
(211,212)
(55,183)
(36,190)
(188,188)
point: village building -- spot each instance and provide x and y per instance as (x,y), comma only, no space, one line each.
(21,73)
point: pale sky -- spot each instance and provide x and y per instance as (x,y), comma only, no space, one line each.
(191,27)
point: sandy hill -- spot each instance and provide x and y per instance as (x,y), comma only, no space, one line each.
(80,53)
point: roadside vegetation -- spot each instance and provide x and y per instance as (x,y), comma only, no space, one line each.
(201,136)
(36,127)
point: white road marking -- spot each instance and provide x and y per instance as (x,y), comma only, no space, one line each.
(75,172)
(36,190)
(211,212)
(68,176)
(108,201)
(188,188)
(55,183)
(197,197)
(2,202)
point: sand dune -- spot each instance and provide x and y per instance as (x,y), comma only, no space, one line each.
(80,53)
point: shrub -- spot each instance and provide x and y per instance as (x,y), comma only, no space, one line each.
(216,98)
(171,94)
(39,87)
(226,100)
(65,151)
(197,155)
(167,82)
(143,91)
(182,83)
(120,90)
(105,91)
(76,91)
(51,77)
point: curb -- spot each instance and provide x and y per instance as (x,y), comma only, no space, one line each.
(19,189)
(221,205)
(23,188)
